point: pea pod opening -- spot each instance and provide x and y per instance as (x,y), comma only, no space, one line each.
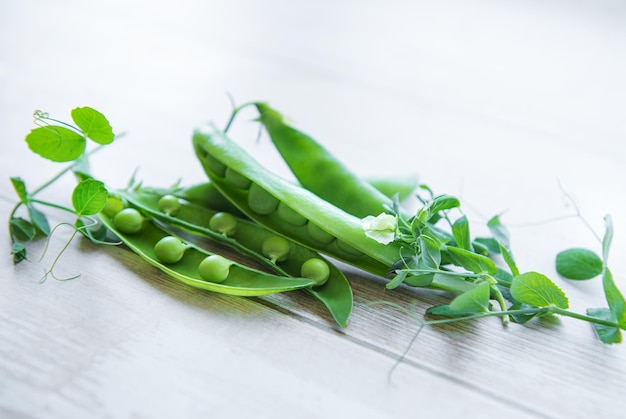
(241,280)
(335,293)
(347,240)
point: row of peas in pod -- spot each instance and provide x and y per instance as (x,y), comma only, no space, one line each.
(148,220)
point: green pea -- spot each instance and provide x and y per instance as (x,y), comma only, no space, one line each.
(215,165)
(128,220)
(260,201)
(224,223)
(288,215)
(112,206)
(214,268)
(318,234)
(315,269)
(236,179)
(169,204)
(276,248)
(169,249)
(348,248)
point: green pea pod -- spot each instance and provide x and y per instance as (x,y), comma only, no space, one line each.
(248,239)
(319,171)
(241,280)
(402,187)
(288,209)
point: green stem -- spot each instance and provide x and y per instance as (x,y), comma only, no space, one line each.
(591,319)
(234,113)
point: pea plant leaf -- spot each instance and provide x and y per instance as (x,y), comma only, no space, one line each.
(21,229)
(475,300)
(501,234)
(614,297)
(18,250)
(430,251)
(461,233)
(39,219)
(20,189)
(471,261)
(578,264)
(93,124)
(445,310)
(538,290)
(607,334)
(89,197)
(56,143)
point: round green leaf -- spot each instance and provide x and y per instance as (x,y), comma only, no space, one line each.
(94,124)
(89,197)
(56,143)
(537,290)
(578,264)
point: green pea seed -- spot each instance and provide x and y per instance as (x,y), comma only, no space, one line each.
(276,248)
(261,201)
(128,220)
(215,165)
(288,215)
(169,204)
(214,268)
(348,248)
(169,249)
(318,234)
(315,269)
(236,179)
(224,223)
(112,206)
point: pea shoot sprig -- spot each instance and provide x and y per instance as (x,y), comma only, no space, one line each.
(432,253)
(59,141)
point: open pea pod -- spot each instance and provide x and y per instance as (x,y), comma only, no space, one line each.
(241,280)
(289,209)
(249,238)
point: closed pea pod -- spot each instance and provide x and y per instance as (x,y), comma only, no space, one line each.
(319,171)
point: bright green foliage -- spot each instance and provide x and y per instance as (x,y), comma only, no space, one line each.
(538,290)
(607,334)
(20,189)
(56,143)
(93,124)
(89,197)
(475,300)
(578,264)
(461,233)
(614,297)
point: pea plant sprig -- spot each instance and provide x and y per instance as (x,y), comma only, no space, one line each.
(59,141)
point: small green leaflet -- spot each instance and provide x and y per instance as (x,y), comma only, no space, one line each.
(20,189)
(431,255)
(18,251)
(607,334)
(473,262)
(614,297)
(39,219)
(538,290)
(578,264)
(501,235)
(89,197)
(56,143)
(93,124)
(475,300)
(461,233)
(21,229)
(608,237)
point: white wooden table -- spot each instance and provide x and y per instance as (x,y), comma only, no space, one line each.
(499,103)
